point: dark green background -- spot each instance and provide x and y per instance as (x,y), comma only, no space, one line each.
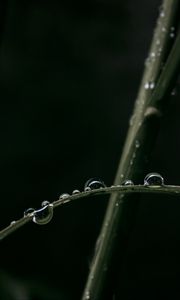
(69,75)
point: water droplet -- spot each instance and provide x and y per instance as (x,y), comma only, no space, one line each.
(163,29)
(153,179)
(137,144)
(159,52)
(172,35)
(173,93)
(94,184)
(134,155)
(87,189)
(12,223)
(147,61)
(28,211)
(153,54)
(45,203)
(43,215)
(146,86)
(64,196)
(158,42)
(131,121)
(128,182)
(151,85)
(75,192)
(87,295)
(162,14)
(106,224)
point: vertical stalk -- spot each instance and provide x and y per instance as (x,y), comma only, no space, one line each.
(138,145)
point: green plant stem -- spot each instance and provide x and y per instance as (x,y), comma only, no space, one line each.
(164,189)
(138,146)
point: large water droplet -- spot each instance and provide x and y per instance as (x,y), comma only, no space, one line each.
(94,184)
(128,182)
(153,179)
(43,215)
(28,211)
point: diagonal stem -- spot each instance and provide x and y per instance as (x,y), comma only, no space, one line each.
(133,189)
(140,139)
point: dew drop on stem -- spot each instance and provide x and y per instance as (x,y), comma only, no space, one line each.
(43,215)
(12,223)
(162,14)
(64,196)
(75,192)
(87,295)
(94,184)
(132,120)
(28,211)
(87,189)
(137,144)
(146,86)
(128,182)
(173,93)
(151,85)
(45,203)
(153,179)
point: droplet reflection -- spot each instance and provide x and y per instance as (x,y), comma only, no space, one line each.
(43,215)
(128,182)
(94,184)
(28,211)
(153,179)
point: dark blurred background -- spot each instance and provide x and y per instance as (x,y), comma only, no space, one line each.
(69,76)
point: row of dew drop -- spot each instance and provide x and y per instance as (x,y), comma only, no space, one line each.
(44,215)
